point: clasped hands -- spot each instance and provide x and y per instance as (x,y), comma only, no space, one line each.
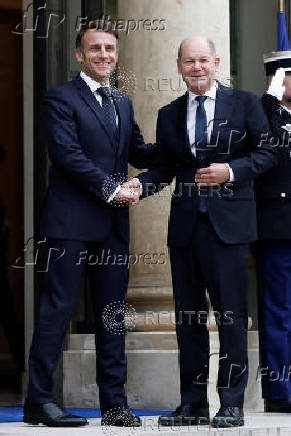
(213,175)
(129,192)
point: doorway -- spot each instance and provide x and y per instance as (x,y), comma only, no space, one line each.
(11,206)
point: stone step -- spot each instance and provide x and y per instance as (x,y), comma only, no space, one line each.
(153,373)
(134,341)
(163,340)
(256,424)
(144,294)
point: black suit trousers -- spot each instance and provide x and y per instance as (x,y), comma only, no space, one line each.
(63,266)
(208,263)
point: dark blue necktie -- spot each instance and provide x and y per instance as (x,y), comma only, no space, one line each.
(200,144)
(108,106)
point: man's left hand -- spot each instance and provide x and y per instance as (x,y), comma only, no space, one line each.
(214,175)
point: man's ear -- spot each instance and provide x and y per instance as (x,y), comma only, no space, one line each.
(79,56)
(217,62)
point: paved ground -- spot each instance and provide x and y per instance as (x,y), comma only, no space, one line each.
(257,424)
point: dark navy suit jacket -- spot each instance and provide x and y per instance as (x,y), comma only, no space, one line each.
(87,162)
(240,138)
(273,189)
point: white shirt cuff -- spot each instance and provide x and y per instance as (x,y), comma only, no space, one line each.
(113,195)
(140,186)
(231,175)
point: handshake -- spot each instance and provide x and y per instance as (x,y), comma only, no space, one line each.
(129,192)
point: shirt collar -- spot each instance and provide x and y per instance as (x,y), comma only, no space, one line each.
(93,85)
(211,93)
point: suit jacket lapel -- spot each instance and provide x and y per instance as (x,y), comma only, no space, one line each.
(224,106)
(89,99)
(181,107)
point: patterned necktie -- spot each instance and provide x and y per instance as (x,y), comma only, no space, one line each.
(108,106)
(200,144)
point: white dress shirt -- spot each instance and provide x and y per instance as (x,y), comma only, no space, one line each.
(209,106)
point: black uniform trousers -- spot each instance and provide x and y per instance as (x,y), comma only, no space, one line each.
(63,267)
(273,260)
(209,263)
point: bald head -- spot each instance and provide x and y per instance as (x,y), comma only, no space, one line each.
(201,40)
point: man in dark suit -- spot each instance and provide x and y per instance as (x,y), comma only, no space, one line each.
(91,135)
(212,140)
(273,250)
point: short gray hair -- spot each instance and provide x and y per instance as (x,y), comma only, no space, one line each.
(209,42)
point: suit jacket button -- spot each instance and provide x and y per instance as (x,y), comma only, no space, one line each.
(283,194)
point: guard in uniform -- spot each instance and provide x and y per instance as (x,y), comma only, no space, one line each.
(274,246)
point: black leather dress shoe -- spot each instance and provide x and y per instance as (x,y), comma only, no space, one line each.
(278,406)
(120,416)
(229,417)
(186,414)
(52,415)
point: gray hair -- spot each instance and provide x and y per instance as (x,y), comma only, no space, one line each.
(210,43)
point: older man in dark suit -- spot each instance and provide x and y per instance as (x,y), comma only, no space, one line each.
(213,140)
(91,135)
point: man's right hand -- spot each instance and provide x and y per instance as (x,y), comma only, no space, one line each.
(276,88)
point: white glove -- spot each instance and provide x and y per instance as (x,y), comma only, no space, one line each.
(276,88)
